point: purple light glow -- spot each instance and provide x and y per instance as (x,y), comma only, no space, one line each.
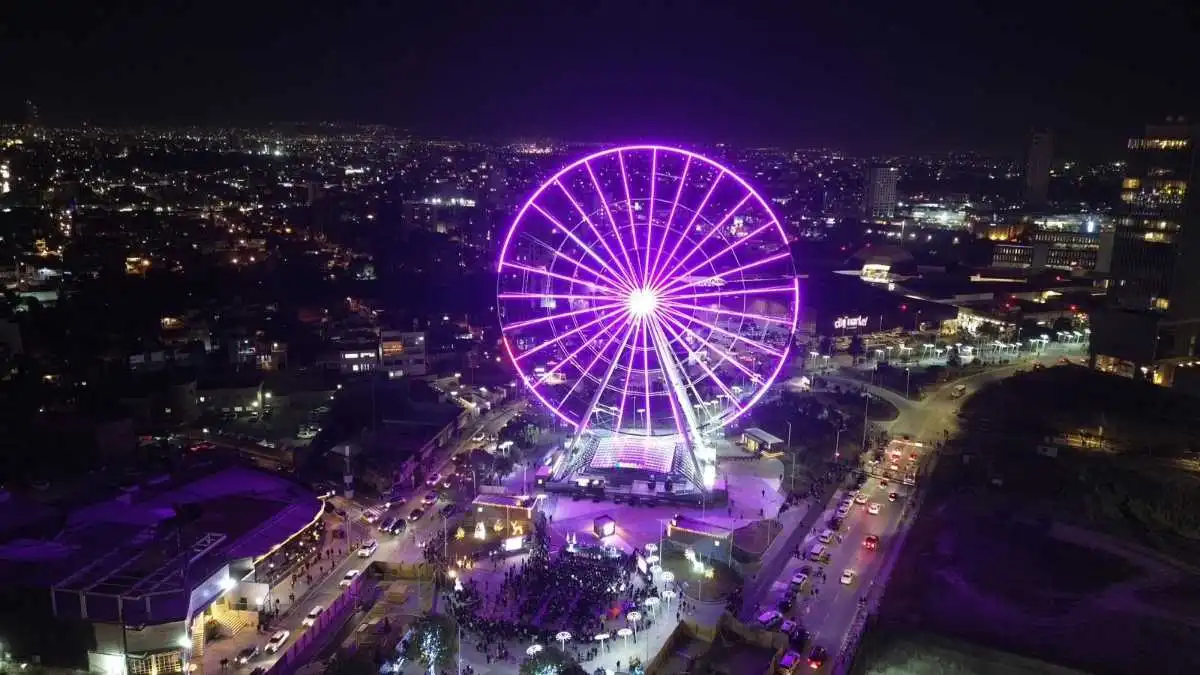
(578,284)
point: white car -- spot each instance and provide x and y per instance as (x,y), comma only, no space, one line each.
(368,549)
(874,508)
(860,498)
(799,579)
(847,577)
(348,578)
(277,640)
(433,480)
(311,619)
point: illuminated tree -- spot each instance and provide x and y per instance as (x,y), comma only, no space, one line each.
(434,643)
(551,661)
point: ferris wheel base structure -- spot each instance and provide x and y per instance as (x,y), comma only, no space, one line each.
(655,467)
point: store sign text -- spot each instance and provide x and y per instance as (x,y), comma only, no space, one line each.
(843,322)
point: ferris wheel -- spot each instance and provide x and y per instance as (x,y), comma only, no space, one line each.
(647,291)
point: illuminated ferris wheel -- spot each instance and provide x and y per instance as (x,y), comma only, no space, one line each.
(647,294)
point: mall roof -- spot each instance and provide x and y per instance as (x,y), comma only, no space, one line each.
(140,542)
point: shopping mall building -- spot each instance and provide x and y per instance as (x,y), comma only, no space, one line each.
(138,581)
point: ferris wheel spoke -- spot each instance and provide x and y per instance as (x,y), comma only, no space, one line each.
(703,366)
(626,274)
(730,312)
(650,212)
(707,235)
(616,280)
(726,357)
(562,315)
(609,290)
(611,221)
(663,327)
(574,331)
(629,208)
(646,374)
(662,242)
(723,294)
(629,327)
(684,284)
(628,377)
(712,258)
(734,336)
(553,296)
(684,233)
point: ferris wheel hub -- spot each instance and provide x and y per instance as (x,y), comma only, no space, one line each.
(642,302)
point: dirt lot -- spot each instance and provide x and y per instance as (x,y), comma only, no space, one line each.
(976,570)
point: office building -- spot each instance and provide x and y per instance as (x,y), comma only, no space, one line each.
(1151,326)
(402,353)
(879,192)
(1076,252)
(1037,168)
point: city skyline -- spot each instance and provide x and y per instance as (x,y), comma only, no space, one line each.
(950,78)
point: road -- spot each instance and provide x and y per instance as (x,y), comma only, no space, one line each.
(831,614)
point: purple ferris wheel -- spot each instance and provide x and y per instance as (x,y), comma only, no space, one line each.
(647,298)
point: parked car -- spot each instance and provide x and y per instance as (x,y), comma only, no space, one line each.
(348,578)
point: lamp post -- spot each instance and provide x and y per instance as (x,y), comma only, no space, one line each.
(789,445)
(866,402)
(907,380)
(562,637)
(601,638)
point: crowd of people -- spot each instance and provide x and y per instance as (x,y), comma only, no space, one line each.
(584,592)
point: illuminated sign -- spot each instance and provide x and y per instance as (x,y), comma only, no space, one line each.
(513,544)
(844,322)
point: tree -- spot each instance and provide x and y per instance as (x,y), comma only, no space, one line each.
(953,358)
(434,643)
(551,661)
(856,347)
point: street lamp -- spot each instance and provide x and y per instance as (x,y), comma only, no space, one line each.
(562,637)
(789,446)
(534,650)
(601,638)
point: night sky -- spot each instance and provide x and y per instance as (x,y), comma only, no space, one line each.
(866,76)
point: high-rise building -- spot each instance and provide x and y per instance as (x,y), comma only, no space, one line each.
(1037,168)
(1151,326)
(879,192)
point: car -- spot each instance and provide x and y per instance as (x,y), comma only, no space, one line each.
(459,458)
(310,619)
(246,654)
(416,514)
(847,577)
(788,662)
(448,510)
(893,496)
(871,542)
(368,548)
(874,508)
(799,579)
(399,526)
(386,524)
(448,482)
(277,639)
(788,626)
(817,657)
(860,498)
(348,578)
(429,498)
(203,446)
(396,499)
(786,603)
(433,479)
(372,515)
(883,482)
(770,618)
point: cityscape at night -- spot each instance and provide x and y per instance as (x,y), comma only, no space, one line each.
(653,338)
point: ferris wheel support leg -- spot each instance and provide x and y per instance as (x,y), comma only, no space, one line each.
(690,426)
